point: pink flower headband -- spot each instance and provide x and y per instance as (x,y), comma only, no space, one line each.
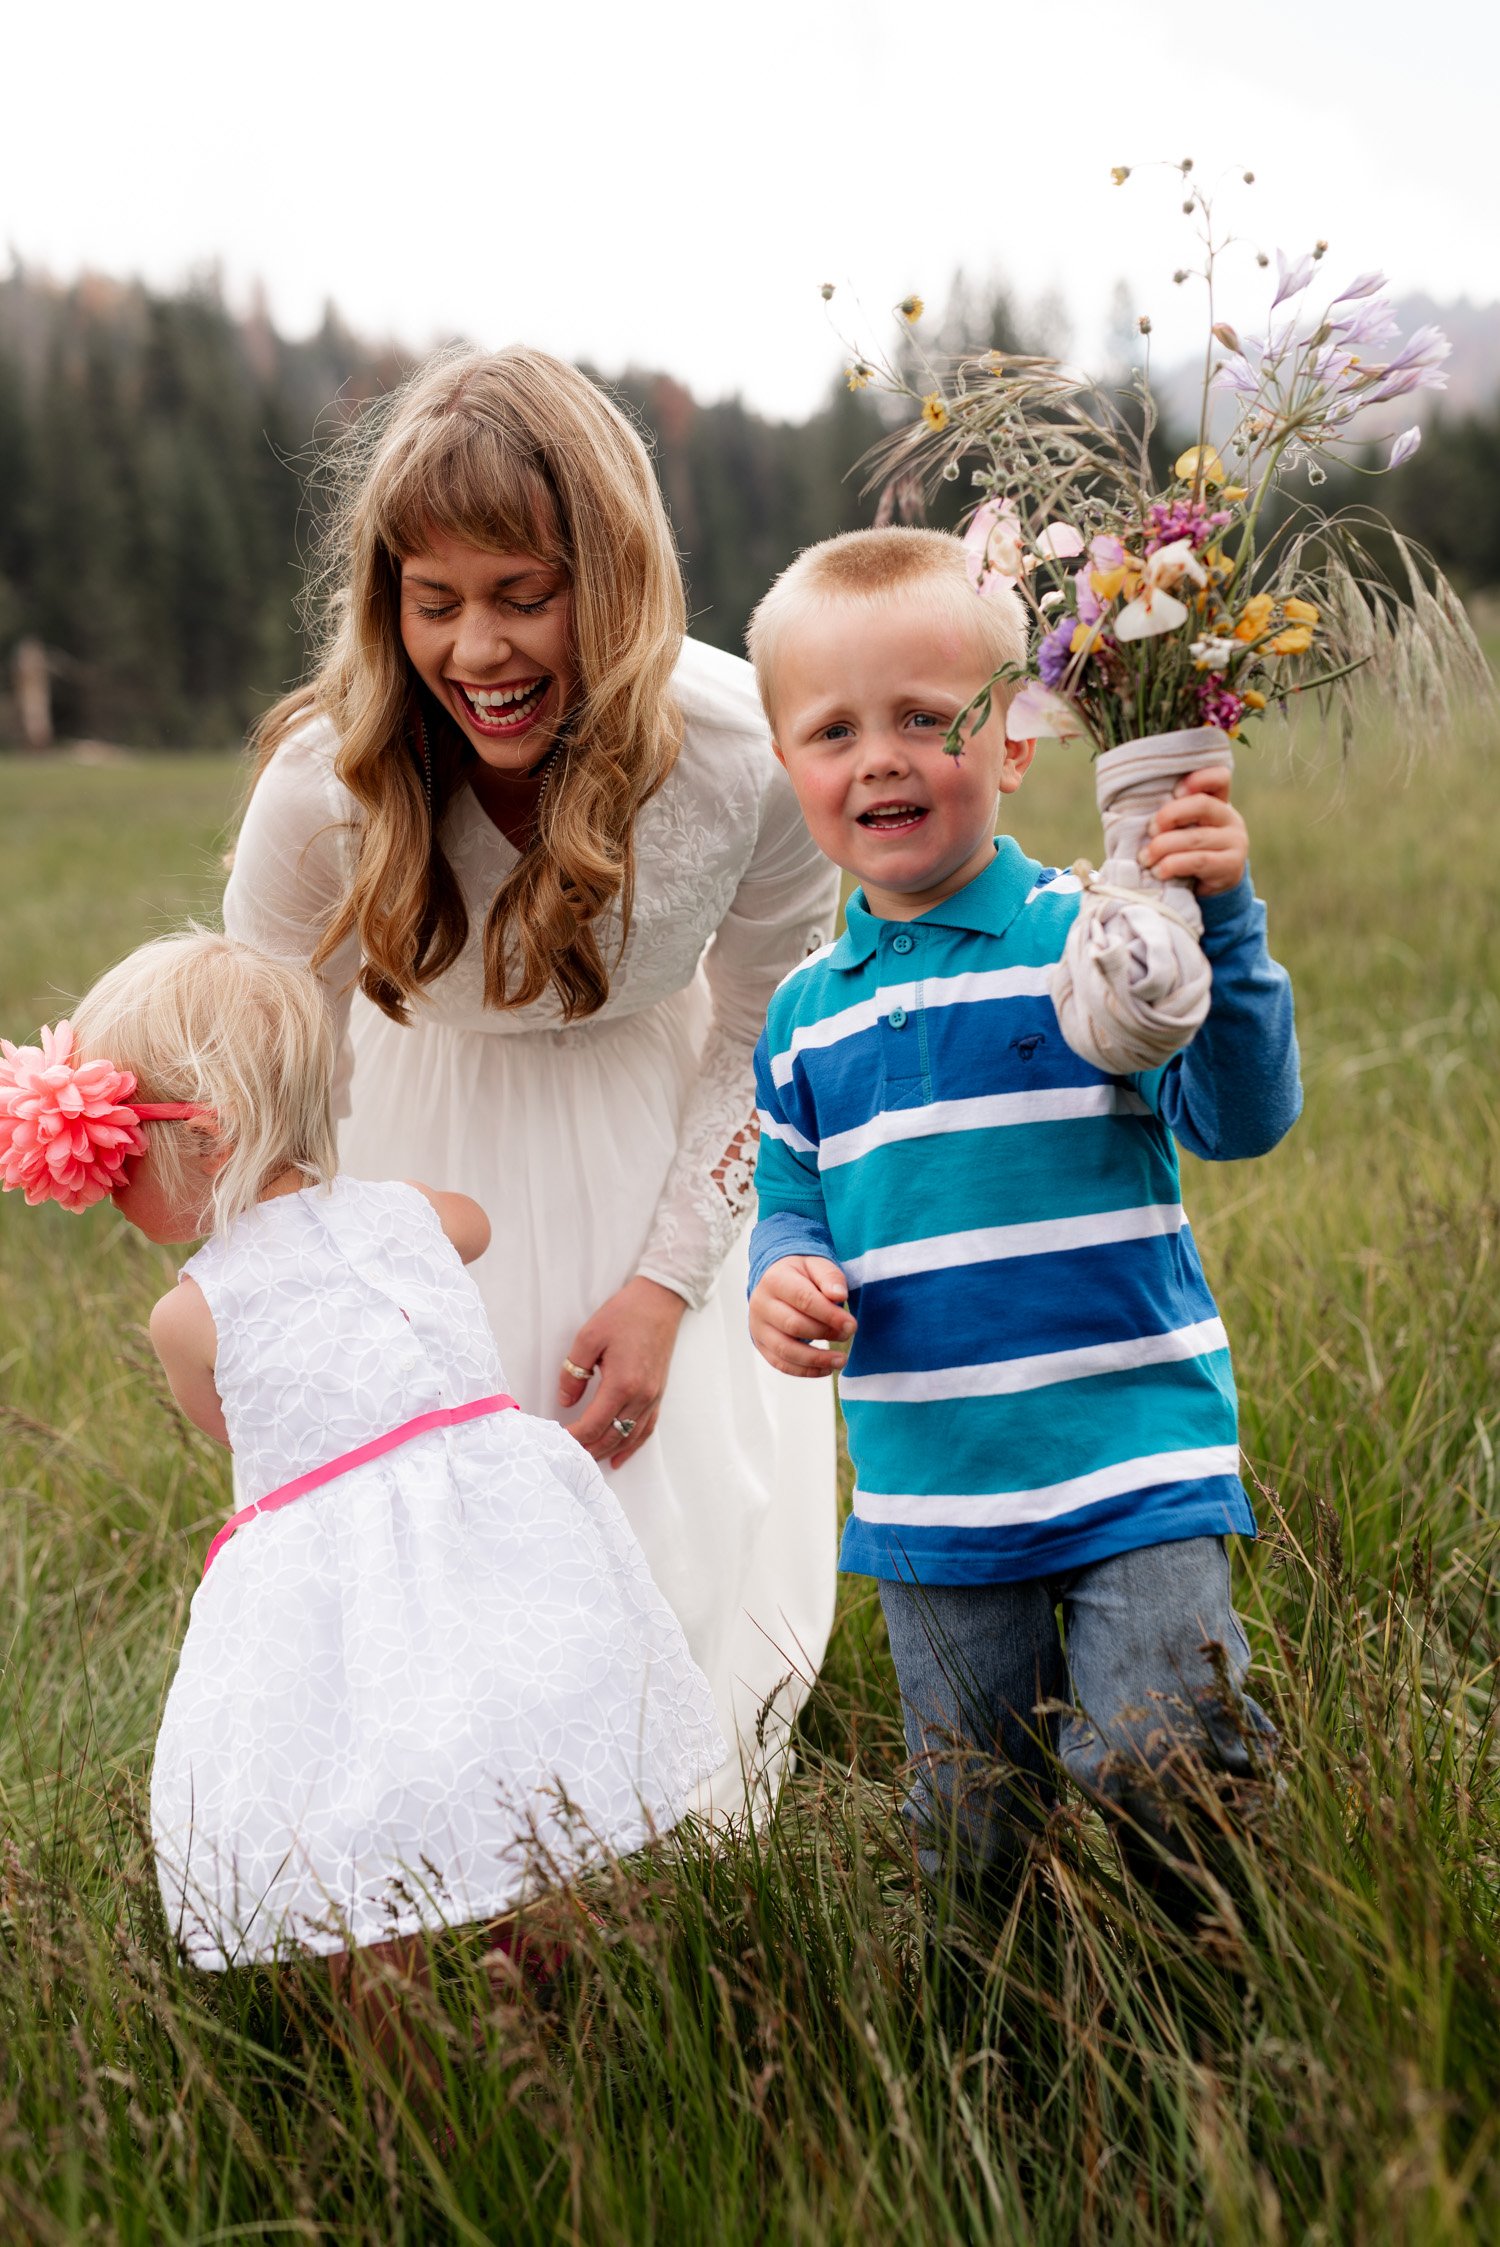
(68,1127)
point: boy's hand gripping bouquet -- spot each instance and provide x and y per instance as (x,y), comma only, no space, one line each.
(1171,606)
(68,1128)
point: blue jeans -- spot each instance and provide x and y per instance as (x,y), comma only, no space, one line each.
(1141,1690)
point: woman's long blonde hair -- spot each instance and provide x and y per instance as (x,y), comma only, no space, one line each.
(513,452)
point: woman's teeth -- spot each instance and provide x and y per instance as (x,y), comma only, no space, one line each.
(496,707)
(892,817)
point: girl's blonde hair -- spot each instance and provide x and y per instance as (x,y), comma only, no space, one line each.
(199,1017)
(895,563)
(515,452)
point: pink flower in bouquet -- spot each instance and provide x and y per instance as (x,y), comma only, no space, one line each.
(65,1131)
(1220,705)
(1060,542)
(1037,713)
(1183,518)
(992,547)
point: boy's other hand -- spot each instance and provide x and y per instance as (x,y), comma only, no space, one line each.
(1198,836)
(799,1319)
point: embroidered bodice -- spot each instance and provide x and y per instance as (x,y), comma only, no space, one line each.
(726,876)
(341,1311)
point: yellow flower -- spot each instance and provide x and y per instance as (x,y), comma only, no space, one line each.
(911,309)
(1299,612)
(858,376)
(1295,642)
(1200,462)
(1235,491)
(1252,700)
(1254,617)
(934,412)
(1119,173)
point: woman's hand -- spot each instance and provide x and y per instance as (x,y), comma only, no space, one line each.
(628,1342)
(1198,836)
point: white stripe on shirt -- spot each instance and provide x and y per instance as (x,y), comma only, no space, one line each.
(773,1128)
(987,1112)
(1000,1508)
(970,988)
(1008,1377)
(988,1244)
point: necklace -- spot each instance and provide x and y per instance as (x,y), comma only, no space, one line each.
(542,770)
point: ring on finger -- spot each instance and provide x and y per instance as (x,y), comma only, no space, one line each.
(579,1372)
(625,1429)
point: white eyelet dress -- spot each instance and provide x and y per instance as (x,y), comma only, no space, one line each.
(442,1678)
(616,1145)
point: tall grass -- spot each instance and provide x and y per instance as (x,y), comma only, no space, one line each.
(782,2037)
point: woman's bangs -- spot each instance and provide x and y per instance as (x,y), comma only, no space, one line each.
(463,480)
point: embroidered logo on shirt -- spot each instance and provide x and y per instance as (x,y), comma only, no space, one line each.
(1027,1046)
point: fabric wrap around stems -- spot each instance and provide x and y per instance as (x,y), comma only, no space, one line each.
(1132,985)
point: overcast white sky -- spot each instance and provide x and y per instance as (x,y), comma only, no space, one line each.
(668,183)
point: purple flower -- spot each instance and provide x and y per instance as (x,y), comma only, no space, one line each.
(1364,284)
(1405,445)
(1090,607)
(1055,653)
(1291,280)
(1371,323)
(1218,705)
(1177,519)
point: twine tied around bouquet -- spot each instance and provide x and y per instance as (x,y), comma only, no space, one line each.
(1089,878)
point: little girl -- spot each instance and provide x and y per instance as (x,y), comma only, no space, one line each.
(426,1668)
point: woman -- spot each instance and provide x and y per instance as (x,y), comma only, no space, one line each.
(537,846)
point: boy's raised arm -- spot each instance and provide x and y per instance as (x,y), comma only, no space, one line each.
(1237,1089)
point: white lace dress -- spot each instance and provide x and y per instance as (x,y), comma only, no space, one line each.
(438,1679)
(594,1146)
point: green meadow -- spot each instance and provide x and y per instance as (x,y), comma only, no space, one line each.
(780,2036)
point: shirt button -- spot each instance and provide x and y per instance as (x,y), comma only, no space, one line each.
(897,1018)
(902,943)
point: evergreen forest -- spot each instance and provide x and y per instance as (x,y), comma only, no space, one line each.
(155,451)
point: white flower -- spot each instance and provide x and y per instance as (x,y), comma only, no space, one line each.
(1212,655)
(1169,565)
(1152,612)
(1404,446)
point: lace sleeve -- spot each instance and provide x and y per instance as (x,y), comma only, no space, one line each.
(291,865)
(783,909)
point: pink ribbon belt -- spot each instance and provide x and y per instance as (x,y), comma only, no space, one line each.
(447,1416)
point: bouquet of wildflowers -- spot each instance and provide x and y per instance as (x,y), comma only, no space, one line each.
(1210,595)
(1168,611)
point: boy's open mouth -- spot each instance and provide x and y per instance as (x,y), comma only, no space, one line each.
(511,708)
(892,819)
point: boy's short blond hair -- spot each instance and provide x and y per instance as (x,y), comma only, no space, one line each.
(885,565)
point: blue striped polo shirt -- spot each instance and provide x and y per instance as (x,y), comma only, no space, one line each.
(1040,1376)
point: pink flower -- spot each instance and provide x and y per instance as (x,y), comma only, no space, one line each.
(66,1132)
(1037,713)
(1059,541)
(992,548)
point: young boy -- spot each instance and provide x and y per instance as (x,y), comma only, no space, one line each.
(1038,1394)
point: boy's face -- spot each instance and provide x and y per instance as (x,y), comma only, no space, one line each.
(864,696)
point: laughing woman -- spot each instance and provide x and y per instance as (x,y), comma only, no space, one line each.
(536,844)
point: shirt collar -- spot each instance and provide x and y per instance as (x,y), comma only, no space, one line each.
(986,906)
